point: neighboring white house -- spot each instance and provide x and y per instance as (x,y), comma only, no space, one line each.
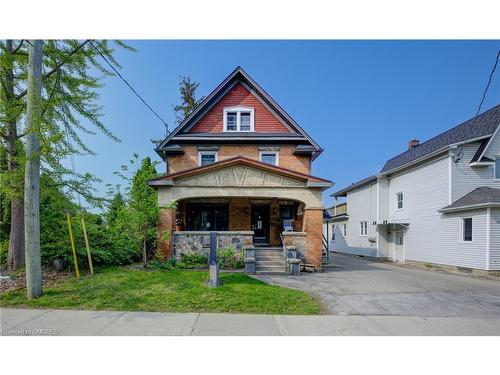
(438,202)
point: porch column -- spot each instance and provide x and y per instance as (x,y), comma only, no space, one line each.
(313,226)
(164,230)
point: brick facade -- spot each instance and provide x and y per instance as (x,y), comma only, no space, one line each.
(313,226)
(265,120)
(164,231)
(287,159)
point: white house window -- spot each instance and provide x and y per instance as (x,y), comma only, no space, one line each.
(497,168)
(400,200)
(363,229)
(207,157)
(269,157)
(238,119)
(467,229)
(345,230)
(232,121)
(333,232)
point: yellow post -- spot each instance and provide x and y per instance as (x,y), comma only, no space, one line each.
(73,245)
(89,256)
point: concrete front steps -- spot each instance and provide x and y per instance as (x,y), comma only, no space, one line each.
(269,261)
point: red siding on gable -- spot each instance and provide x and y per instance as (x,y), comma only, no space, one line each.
(264,120)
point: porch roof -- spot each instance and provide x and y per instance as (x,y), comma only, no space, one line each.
(312,181)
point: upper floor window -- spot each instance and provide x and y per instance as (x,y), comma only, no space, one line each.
(269,157)
(497,167)
(207,157)
(400,200)
(238,119)
(467,229)
(363,228)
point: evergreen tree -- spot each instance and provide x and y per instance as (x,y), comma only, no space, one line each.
(141,216)
(116,204)
(188,99)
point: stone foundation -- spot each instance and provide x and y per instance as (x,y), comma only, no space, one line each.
(191,242)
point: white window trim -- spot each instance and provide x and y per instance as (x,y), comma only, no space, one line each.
(462,234)
(495,168)
(200,153)
(404,198)
(363,227)
(275,153)
(238,111)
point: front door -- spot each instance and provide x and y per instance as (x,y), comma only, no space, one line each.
(399,246)
(260,223)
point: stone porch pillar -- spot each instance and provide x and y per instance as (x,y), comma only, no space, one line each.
(164,230)
(313,226)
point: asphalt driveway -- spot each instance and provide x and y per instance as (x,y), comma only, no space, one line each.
(358,286)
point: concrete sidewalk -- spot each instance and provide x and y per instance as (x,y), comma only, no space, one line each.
(109,323)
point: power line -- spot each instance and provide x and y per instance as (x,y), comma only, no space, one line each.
(489,83)
(129,85)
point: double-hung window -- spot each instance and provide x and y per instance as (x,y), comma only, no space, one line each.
(363,228)
(467,229)
(238,119)
(269,157)
(400,200)
(497,167)
(207,157)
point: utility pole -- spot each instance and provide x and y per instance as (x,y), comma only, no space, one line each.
(32,174)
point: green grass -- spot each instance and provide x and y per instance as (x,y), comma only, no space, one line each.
(176,291)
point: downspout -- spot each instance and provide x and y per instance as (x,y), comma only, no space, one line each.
(378,219)
(488,237)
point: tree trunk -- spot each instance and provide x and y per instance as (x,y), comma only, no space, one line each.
(16,237)
(32,174)
(15,257)
(144,253)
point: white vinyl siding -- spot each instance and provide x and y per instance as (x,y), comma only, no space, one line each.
(495,239)
(466,178)
(431,236)
(362,207)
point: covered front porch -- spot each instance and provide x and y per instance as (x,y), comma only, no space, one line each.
(266,218)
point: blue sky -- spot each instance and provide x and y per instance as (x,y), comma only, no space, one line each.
(362,101)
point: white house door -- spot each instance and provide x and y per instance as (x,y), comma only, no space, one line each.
(399,246)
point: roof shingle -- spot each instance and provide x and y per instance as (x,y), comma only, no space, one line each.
(480,196)
(482,125)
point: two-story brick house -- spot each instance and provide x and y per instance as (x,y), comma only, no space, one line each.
(241,166)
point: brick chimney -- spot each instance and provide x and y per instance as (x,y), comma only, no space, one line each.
(413,143)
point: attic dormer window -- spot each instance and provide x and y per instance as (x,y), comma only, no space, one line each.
(238,119)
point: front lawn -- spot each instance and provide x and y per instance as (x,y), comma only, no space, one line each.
(177,291)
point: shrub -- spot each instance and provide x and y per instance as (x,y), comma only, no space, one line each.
(4,251)
(227,259)
(166,266)
(192,260)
